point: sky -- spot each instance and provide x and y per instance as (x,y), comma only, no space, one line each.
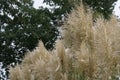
(116,10)
(38,3)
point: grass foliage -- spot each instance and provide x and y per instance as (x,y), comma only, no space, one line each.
(90,50)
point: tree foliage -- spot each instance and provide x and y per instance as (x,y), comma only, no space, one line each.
(21,27)
(101,7)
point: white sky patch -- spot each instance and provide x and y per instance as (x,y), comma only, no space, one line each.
(38,3)
(117,8)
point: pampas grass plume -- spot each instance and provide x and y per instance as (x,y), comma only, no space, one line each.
(88,51)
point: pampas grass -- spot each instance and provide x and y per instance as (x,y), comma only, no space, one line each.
(89,51)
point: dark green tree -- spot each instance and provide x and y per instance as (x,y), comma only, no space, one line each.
(100,7)
(21,27)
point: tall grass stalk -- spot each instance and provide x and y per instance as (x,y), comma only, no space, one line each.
(90,50)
